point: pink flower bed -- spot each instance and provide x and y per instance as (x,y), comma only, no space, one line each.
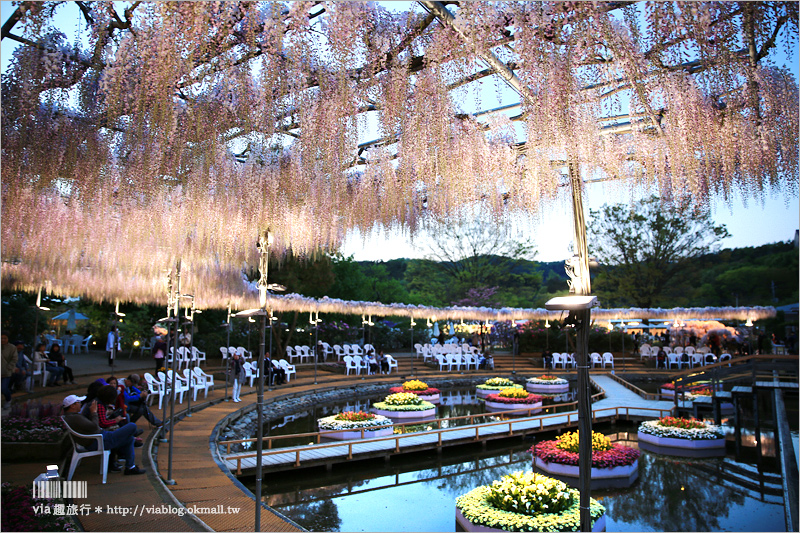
(532,398)
(618,455)
(427,392)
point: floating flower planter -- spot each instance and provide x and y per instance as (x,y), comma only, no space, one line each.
(525,501)
(355,425)
(548,384)
(404,405)
(495,385)
(420,388)
(668,389)
(511,399)
(614,465)
(685,437)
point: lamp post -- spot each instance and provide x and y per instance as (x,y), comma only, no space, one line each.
(36,334)
(413,352)
(315,322)
(176,302)
(168,320)
(227,346)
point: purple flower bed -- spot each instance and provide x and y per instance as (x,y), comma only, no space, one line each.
(17,429)
(618,455)
(18,512)
(532,398)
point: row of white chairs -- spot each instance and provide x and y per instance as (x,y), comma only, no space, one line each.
(606,359)
(429,351)
(186,356)
(358,364)
(696,359)
(230,350)
(251,370)
(69,343)
(192,379)
(454,361)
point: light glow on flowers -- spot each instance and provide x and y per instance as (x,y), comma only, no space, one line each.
(678,428)
(617,455)
(350,420)
(403,401)
(514,396)
(547,380)
(526,502)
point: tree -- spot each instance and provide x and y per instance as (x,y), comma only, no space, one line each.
(477,254)
(643,247)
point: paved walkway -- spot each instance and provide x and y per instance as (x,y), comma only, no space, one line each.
(200,483)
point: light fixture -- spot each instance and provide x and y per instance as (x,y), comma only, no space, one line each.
(136,344)
(412,322)
(116,311)
(749,322)
(39,301)
(546,323)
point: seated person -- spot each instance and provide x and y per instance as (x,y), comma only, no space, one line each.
(547,357)
(383,363)
(661,358)
(21,373)
(53,370)
(276,373)
(136,399)
(120,440)
(57,356)
(486,361)
(372,362)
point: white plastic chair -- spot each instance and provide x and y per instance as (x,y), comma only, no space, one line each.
(454,360)
(674,359)
(156,387)
(224,351)
(204,381)
(362,364)
(289,369)
(696,359)
(80,452)
(678,349)
(250,371)
(198,356)
(347,349)
(326,351)
(349,365)
(689,349)
(558,360)
(85,344)
(596,359)
(418,350)
(181,385)
(442,360)
(392,362)
(569,360)
(192,382)
(244,354)
(608,359)
(725,357)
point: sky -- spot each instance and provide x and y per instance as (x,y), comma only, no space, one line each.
(750,222)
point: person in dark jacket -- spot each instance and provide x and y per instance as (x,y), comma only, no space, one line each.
(57,356)
(237,371)
(136,400)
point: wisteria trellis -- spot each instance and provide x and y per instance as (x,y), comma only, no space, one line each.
(182,129)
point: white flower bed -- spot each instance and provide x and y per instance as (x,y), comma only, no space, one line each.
(557,381)
(329,423)
(710,432)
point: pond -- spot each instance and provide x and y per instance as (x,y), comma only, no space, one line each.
(454,402)
(417,492)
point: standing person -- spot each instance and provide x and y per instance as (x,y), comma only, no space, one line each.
(112,344)
(237,371)
(9,355)
(18,378)
(159,351)
(57,357)
(661,358)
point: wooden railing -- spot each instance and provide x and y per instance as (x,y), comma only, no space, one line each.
(596,414)
(634,388)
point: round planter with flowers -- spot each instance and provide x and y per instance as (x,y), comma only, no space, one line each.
(613,465)
(495,385)
(668,389)
(685,437)
(404,405)
(547,384)
(525,501)
(355,425)
(511,399)
(420,388)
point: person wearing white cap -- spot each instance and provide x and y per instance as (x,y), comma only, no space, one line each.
(120,439)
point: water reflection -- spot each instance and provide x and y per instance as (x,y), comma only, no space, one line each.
(417,492)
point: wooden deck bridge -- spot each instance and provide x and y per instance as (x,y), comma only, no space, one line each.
(621,401)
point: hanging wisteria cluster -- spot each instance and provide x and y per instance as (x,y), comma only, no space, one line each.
(180,130)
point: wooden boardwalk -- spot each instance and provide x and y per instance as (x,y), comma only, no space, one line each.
(619,402)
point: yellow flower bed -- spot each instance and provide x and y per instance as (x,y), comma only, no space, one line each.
(415,384)
(569,442)
(513,393)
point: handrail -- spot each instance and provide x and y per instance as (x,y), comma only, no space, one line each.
(734,361)
(634,388)
(397,438)
(438,421)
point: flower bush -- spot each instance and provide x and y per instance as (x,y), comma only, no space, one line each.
(559,506)
(681,428)
(705,391)
(498,383)
(18,429)
(569,442)
(352,420)
(527,493)
(618,455)
(18,512)
(514,396)
(416,387)
(403,401)
(690,386)
(548,380)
